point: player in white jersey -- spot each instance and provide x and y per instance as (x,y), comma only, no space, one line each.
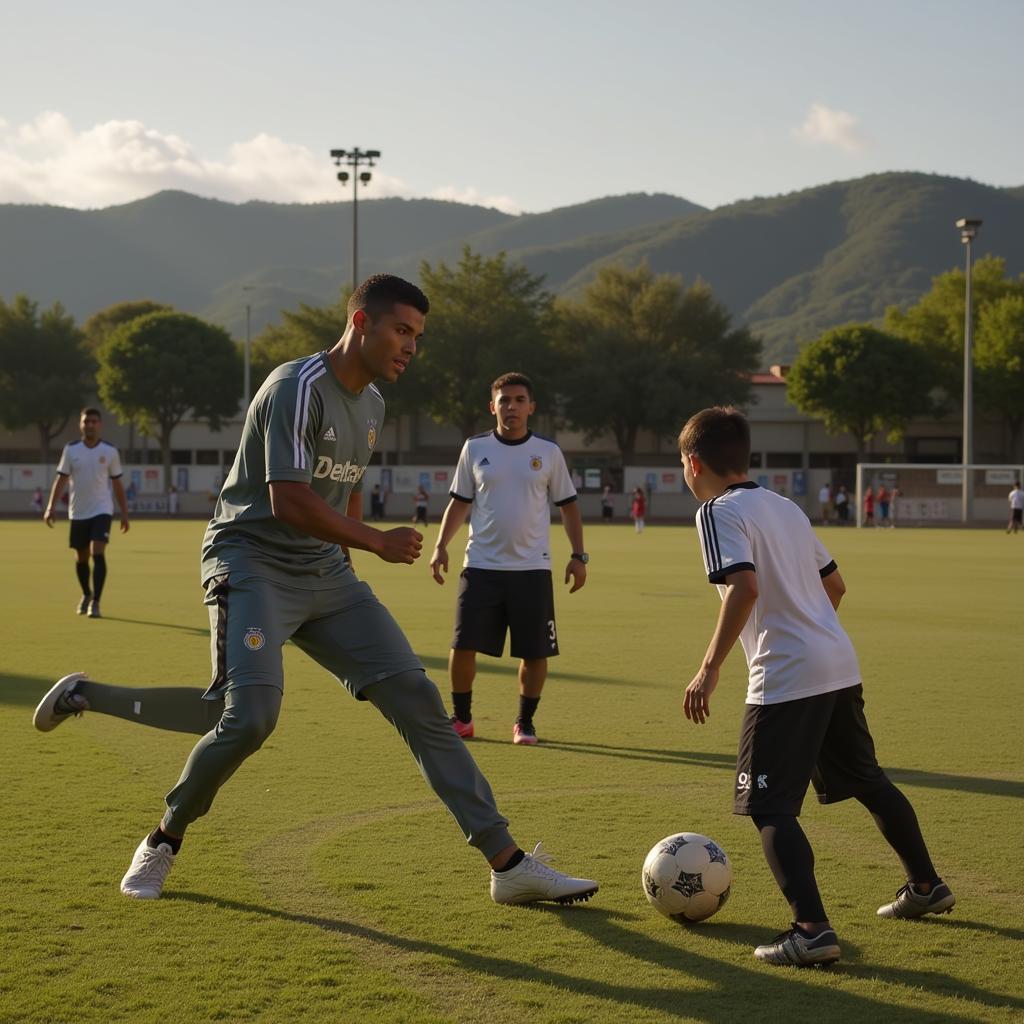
(93,467)
(1016,499)
(504,484)
(804,721)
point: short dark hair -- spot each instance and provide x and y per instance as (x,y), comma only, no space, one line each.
(90,410)
(720,438)
(381,292)
(511,380)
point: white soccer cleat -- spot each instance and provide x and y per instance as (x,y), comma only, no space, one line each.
(145,877)
(60,703)
(532,880)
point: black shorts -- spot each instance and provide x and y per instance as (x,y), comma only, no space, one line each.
(822,739)
(607,512)
(84,531)
(492,601)
(1018,515)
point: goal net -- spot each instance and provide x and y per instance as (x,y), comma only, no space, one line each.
(933,494)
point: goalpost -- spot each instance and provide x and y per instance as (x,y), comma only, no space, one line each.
(937,494)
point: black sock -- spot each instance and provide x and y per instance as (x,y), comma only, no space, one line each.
(897,822)
(158,836)
(99,574)
(463,704)
(515,859)
(82,572)
(527,709)
(791,859)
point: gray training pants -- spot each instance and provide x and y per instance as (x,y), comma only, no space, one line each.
(235,727)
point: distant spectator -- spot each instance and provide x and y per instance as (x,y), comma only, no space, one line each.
(37,501)
(376,503)
(172,501)
(638,509)
(893,504)
(607,507)
(422,502)
(1016,500)
(869,507)
(842,503)
(883,506)
(825,503)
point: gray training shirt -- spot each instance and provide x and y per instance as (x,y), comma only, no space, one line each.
(303,425)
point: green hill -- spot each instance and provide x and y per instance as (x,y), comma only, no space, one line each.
(789,266)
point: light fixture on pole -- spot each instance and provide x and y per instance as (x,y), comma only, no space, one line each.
(968,231)
(355,158)
(247,359)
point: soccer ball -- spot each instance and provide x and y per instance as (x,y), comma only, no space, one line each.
(687,877)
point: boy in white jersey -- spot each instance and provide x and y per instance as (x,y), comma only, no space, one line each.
(504,484)
(805,710)
(93,467)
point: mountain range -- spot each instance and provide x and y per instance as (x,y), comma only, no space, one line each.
(787,266)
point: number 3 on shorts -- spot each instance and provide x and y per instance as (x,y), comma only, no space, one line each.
(551,630)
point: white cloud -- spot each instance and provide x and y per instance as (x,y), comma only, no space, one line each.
(824,126)
(475,198)
(48,161)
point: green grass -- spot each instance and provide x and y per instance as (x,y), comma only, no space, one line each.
(329,884)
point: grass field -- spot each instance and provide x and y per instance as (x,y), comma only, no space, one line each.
(328,883)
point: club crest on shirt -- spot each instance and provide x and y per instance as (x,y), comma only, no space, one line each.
(103,459)
(371,433)
(254,639)
(536,463)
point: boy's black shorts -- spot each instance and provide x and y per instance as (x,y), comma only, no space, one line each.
(492,601)
(822,739)
(84,531)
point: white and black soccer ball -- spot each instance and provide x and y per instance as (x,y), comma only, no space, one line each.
(687,877)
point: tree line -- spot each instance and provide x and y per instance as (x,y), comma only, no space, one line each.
(633,352)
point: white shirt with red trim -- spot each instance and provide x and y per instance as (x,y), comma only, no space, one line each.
(511,485)
(793,642)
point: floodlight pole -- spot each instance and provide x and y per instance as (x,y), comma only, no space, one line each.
(355,158)
(968,230)
(247,360)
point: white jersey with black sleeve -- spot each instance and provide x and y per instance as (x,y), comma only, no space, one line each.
(91,470)
(511,485)
(793,642)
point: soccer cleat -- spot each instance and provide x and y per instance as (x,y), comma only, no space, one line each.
(83,605)
(910,903)
(145,877)
(60,703)
(524,734)
(464,730)
(94,609)
(533,880)
(794,949)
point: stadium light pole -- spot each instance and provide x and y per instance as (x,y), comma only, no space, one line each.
(968,232)
(247,359)
(355,158)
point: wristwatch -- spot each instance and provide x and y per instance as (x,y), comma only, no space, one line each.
(582,556)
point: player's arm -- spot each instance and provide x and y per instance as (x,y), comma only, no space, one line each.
(454,516)
(834,586)
(572,522)
(60,484)
(122,501)
(298,505)
(740,596)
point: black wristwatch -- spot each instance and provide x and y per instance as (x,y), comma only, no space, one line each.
(581,556)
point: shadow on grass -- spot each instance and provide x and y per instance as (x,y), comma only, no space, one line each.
(506,668)
(706,759)
(159,625)
(729,993)
(963,783)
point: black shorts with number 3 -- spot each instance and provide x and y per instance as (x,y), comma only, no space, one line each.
(493,601)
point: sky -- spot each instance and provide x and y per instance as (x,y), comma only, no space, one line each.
(525,107)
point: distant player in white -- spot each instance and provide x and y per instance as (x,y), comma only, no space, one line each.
(1016,499)
(93,467)
(804,721)
(505,483)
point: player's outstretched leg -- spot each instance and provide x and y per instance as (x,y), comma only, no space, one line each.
(411,703)
(925,892)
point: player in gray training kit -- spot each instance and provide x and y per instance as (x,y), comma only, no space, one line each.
(275,567)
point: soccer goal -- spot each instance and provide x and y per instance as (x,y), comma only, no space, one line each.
(933,494)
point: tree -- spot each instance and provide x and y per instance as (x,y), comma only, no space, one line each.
(642,352)
(156,368)
(487,317)
(45,373)
(936,320)
(860,380)
(98,328)
(999,359)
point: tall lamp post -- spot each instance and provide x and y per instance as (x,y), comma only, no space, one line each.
(968,231)
(247,360)
(355,158)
